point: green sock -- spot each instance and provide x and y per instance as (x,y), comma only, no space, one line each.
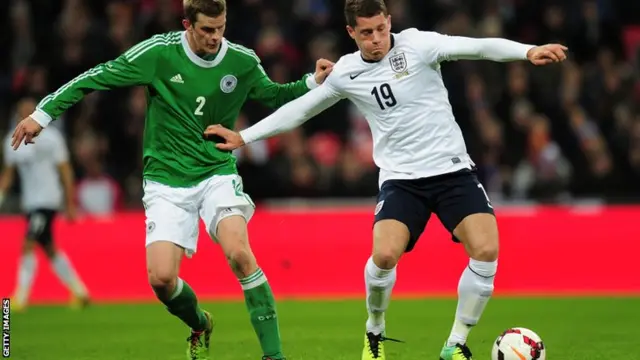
(262,310)
(184,305)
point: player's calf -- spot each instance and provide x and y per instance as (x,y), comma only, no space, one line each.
(390,239)
(67,274)
(479,234)
(232,236)
(163,264)
(27,266)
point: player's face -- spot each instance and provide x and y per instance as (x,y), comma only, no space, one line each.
(372,35)
(207,32)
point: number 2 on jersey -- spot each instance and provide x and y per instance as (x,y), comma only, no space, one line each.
(201,100)
(384,96)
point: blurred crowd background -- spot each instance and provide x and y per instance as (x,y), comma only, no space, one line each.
(550,134)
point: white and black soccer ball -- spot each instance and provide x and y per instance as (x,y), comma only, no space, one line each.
(518,344)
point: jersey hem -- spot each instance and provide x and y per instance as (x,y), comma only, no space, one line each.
(182,183)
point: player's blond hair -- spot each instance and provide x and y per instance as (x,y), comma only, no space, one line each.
(354,9)
(211,8)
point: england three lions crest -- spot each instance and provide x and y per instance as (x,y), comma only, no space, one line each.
(398,63)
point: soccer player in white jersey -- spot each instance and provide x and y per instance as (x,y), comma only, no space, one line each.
(395,81)
(47,183)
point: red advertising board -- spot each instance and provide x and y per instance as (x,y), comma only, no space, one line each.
(321,253)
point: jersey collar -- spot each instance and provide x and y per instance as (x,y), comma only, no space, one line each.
(200,61)
(393,42)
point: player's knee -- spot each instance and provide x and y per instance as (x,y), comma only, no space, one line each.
(390,239)
(49,250)
(484,250)
(385,258)
(479,233)
(162,279)
(242,261)
(28,247)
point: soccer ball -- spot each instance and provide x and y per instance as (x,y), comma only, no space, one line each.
(518,344)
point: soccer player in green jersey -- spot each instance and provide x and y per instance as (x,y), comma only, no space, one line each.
(193,79)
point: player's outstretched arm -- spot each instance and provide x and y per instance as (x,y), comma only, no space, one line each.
(438,48)
(134,67)
(288,117)
(274,95)
(130,69)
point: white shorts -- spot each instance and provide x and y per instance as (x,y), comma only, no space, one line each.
(172,213)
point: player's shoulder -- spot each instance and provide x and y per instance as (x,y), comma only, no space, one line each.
(412,33)
(241,53)
(155,44)
(413,37)
(347,64)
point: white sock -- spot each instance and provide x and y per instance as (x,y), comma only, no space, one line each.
(379,284)
(67,274)
(474,290)
(26,273)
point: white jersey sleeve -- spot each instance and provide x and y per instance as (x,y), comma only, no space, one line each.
(436,48)
(296,112)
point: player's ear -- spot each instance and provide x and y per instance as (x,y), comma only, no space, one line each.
(389,21)
(186,24)
(351,31)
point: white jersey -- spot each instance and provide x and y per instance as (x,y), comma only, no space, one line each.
(37,165)
(404,100)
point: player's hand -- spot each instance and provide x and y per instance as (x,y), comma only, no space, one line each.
(26,131)
(71,213)
(547,54)
(323,69)
(232,139)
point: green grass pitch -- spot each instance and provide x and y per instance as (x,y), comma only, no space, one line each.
(572,329)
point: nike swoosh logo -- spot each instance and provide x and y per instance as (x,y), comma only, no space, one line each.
(520,356)
(355,76)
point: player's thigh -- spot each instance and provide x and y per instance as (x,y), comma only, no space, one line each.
(226,210)
(401,216)
(234,242)
(223,197)
(464,208)
(171,229)
(163,262)
(40,229)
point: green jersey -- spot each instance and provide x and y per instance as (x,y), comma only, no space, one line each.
(185,94)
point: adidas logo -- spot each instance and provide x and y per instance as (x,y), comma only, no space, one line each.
(177,79)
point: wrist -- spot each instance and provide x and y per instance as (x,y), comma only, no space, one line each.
(245,138)
(42,118)
(311,81)
(529,52)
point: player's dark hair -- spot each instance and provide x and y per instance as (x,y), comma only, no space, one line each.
(354,9)
(211,8)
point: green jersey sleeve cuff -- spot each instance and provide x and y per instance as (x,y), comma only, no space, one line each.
(311,82)
(41,117)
